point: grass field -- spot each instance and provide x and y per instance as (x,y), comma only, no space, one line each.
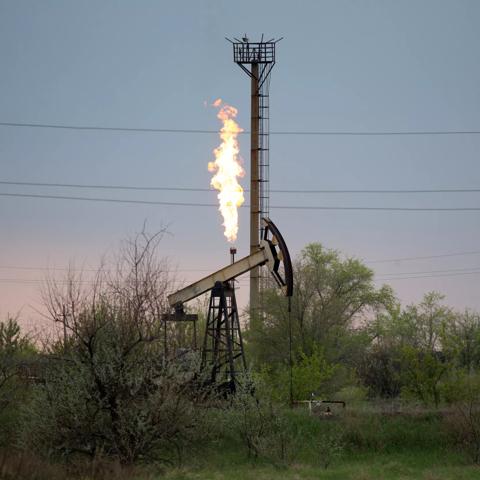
(372,445)
(412,465)
(375,446)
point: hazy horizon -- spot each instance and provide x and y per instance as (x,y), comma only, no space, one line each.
(342,67)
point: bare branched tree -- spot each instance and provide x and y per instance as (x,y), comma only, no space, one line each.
(110,389)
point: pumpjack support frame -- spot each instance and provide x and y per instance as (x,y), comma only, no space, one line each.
(223,354)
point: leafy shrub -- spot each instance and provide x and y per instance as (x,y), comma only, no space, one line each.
(393,432)
(112,394)
(261,427)
(463,422)
(310,374)
(26,466)
(15,350)
(279,435)
(352,395)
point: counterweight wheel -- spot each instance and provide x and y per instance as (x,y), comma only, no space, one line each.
(280,265)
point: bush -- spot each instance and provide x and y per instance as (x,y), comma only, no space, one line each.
(15,350)
(111,394)
(310,374)
(262,428)
(463,422)
(352,395)
(393,432)
(273,433)
(26,466)
(320,438)
(109,389)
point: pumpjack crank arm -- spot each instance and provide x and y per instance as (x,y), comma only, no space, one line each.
(273,253)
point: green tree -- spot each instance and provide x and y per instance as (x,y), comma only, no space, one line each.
(422,372)
(108,389)
(407,352)
(461,340)
(332,296)
(16,349)
(427,321)
(311,374)
(333,299)
(462,390)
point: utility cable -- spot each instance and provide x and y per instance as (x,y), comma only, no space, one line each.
(245,132)
(278,207)
(195,189)
(68,269)
(385,260)
(290,350)
(379,279)
(428,276)
(426,257)
(450,270)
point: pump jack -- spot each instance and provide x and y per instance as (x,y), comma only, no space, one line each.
(223,352)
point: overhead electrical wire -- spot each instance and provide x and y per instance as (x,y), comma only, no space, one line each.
(24,267)
(378,276)
(68,269)
(37,281)
(203,131)
(449,270)
(428,276)
(425,257)
(277,207)
(195,189)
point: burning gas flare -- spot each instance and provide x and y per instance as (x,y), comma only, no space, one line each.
(227,169)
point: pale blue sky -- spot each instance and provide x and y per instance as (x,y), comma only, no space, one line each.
(342,66)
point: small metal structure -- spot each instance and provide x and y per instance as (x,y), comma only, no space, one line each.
(314,405)
(175,317)
(257,59)
(223,355)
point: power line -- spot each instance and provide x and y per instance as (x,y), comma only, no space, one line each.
(401,259)
(429,276)
(108,187)
(68,269)
(110,200)
(35,281)
(395,191)
(22,267)
(390,209)
(39,281)
(202,131)
(195,189)
(278,207)
(450,270)
(387,260)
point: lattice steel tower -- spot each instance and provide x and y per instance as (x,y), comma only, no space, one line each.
(257,59)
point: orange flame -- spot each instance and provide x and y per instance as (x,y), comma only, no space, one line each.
(227,168)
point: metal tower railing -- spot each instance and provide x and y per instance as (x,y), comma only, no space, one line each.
(264,168)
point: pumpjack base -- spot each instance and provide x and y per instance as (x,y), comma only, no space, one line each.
(223,356)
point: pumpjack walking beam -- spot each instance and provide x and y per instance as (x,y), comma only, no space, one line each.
(273,253)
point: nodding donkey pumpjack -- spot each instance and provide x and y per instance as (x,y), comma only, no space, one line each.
(272,253)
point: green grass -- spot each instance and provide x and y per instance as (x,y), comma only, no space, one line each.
(392,466)
(375,447)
